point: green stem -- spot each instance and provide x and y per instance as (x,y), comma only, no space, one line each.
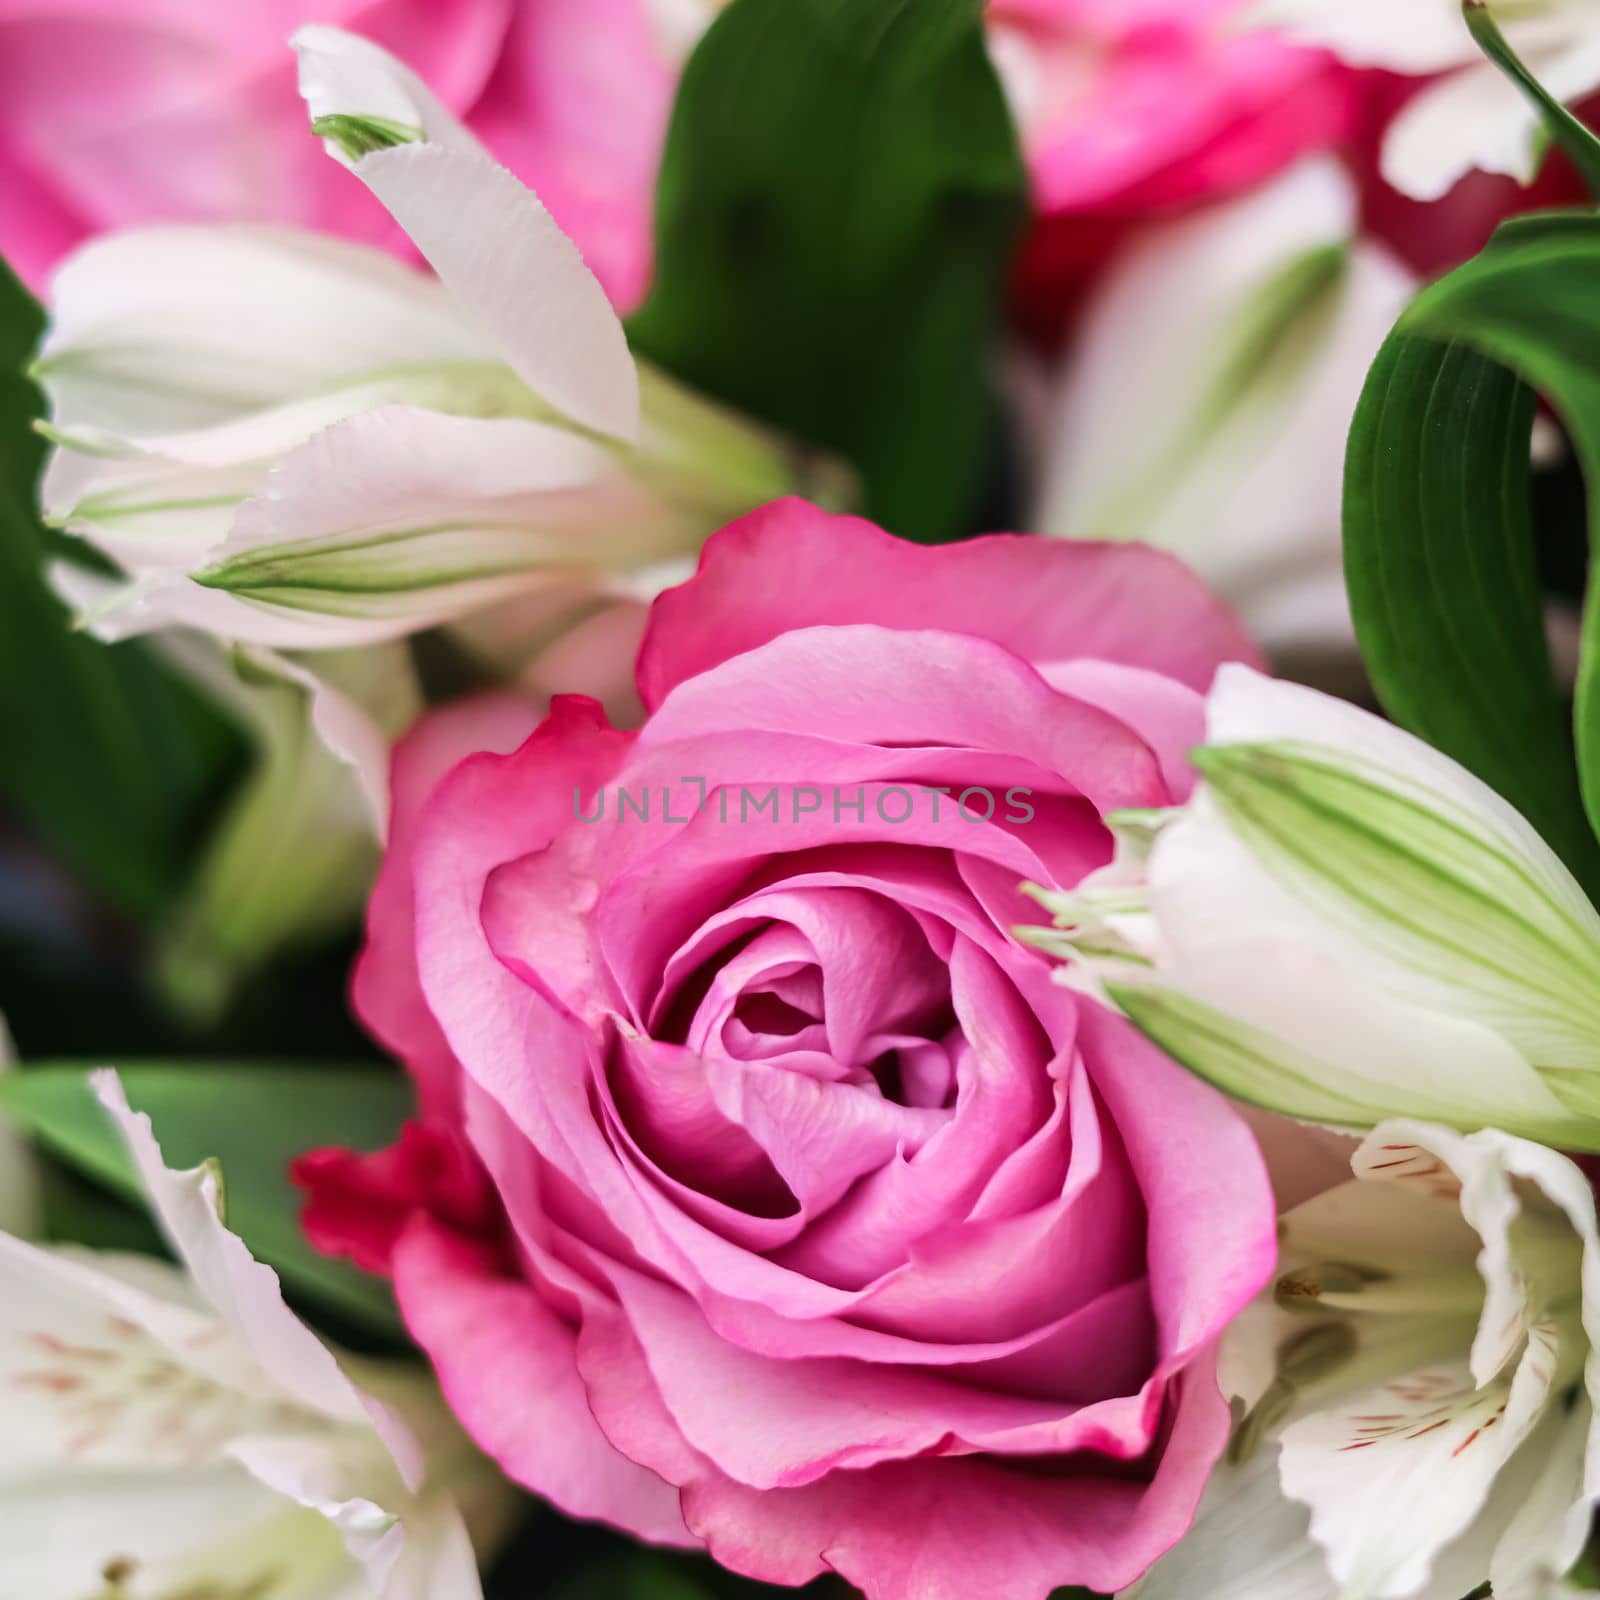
(1563,128)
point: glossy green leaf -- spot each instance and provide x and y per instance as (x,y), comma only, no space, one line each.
(840,192)
(104,752)
(1438,546)
(1529,304)
(254,1118)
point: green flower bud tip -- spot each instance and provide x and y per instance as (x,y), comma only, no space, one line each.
(360,136)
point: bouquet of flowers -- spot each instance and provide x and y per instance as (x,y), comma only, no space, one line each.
(608,996)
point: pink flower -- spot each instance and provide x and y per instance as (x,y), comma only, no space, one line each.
(1134,110)
(136,111)
(831,1232)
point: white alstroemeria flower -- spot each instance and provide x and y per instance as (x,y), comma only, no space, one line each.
(1203,405)
(1418,1388)
(1471,116)
(1343,924)
(293,441)
(177,1431)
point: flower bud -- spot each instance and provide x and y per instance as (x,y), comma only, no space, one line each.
(1343,924)
(296,442)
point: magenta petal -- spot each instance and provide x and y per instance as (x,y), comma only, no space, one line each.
(948,1530)
(784,1423)
(790,566)
(1213,1220)
(385,990)
(508,1367)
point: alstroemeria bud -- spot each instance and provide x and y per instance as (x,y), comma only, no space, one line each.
(302,443)
(1343,924)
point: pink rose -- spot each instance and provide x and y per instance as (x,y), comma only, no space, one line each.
(769,1194)
(113,114)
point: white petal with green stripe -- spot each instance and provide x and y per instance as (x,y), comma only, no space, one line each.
(1343,925)
(304,444)
(1472,923)
(1204,399)
(170,329)
(401,518)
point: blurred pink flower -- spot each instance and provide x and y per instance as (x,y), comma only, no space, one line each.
(113,114)
(1135,110)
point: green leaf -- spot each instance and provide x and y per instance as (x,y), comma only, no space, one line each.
(1579,144)
(838,198)
(109,757)
(1528,303)
(254,1118)
(1438,548)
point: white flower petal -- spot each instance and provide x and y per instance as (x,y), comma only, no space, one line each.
(243,1292)
(1549,1527)
(1474,1010)
(1552,1524)
(329,1476)
(1246,707)
(145,513)
(1248,1542)
(1414,37)
(216,1530)
(428,1556)
(111,611)
(1334,1020)
(293,855)
(437,1557)
(1474,118)
(1395,1474)
(164,330)
(493,245)
(169,1429)
(360,701)
(106,1360)
(1478,119)
(402,518)
(167,499)
(1206,396)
